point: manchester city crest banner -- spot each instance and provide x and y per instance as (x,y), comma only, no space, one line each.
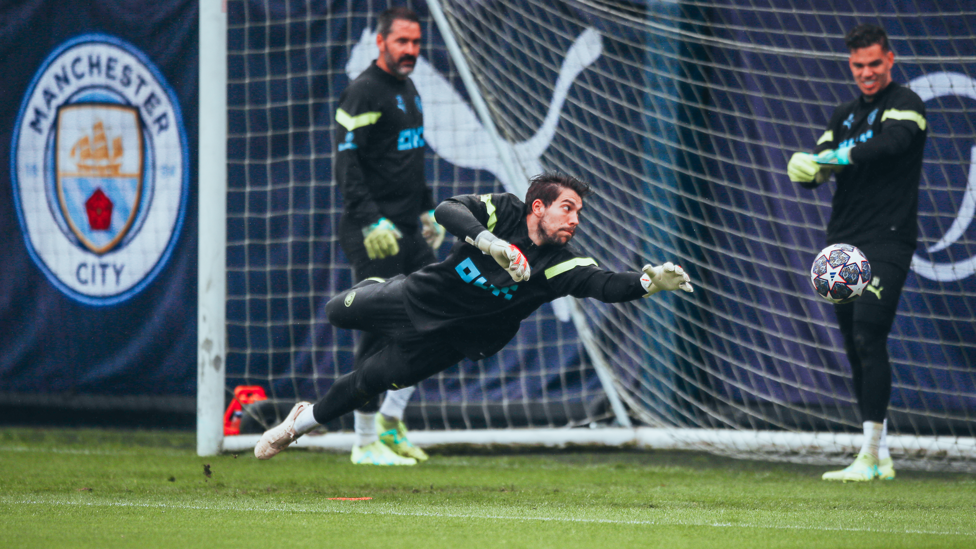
(99,116)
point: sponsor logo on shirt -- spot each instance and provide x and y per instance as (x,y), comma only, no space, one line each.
(855,140)
(348,144)
(411,138)
(470,274)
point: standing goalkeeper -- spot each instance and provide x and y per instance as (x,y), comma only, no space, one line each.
(510,258)
(387,225)
(874,144)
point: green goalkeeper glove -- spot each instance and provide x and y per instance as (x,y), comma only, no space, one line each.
(667,277)
(380,239)
(835,157)
(432,231)
(803,168)
(507,255)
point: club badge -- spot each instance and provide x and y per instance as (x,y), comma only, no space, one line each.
(100,169)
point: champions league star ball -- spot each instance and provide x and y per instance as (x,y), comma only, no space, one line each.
(840,272)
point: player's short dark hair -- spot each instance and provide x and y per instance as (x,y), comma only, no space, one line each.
(549,185)
(865,36)
(385,21)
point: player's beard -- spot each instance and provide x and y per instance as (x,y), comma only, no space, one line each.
(396,66)
(552,237)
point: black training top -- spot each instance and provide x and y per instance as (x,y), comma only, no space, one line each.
(379,138)
(475,301)
(877,195)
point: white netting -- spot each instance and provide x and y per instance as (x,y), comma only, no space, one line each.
(683,116)
(288,63)
(685,121)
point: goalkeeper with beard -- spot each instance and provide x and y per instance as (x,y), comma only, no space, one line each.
(387,225)
(510,258)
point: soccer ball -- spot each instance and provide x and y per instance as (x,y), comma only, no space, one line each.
(840,272)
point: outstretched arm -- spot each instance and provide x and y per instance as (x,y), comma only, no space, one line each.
(581,277)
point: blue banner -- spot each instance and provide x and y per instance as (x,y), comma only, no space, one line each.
(98,285)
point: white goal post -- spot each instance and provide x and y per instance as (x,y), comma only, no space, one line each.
(682,115)
(212,223)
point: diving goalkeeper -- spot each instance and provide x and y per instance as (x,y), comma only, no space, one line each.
(510,258)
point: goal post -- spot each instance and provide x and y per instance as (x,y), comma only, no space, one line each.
(683,116)
(212,241)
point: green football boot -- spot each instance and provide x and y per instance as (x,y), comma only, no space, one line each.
(376,453)
(864,468)
(886,469)
(394,435)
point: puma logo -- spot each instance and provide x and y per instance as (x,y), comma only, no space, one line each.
(875,287)
(454,131)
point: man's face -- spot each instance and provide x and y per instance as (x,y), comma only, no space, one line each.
(558,221)
(871,68)
(400,48)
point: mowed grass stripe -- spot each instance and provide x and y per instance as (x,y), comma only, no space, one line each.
(386,509)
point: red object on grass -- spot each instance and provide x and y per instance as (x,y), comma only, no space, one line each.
(243,394)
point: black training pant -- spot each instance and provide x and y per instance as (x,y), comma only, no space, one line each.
(414,254)
(866,322)
(404,357)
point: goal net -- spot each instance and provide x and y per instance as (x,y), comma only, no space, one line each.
(288,62)
(683,116)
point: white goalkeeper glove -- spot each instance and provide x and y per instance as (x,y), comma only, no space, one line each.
(432,231)
(668,277)
(507,255)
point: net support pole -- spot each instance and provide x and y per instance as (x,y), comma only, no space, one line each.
(503,149)
(212,227)
(519,180)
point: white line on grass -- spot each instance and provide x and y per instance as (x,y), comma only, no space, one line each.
(385,510)
(86,452)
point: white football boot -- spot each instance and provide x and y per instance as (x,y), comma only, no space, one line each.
(278,438)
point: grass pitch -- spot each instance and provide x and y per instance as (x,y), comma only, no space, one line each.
(74,488)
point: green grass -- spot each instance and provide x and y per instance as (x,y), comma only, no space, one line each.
(73,488)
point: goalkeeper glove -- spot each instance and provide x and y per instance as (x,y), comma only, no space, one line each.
(507,255)
(432,231)
(665,277)
(835,157)
(803,167)
(380,239)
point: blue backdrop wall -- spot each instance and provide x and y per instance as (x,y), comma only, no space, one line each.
(98,210)
(97,213)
